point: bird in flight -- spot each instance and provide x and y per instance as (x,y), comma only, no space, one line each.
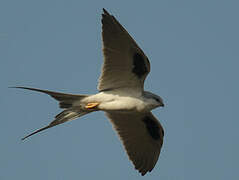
(121,96)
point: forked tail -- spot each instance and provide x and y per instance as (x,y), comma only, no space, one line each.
(66,102)
(64,116)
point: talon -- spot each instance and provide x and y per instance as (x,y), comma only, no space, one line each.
(91,105)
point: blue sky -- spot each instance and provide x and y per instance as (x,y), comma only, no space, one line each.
(56,45)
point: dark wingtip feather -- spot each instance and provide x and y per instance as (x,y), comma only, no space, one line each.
(105,12)
(142,174)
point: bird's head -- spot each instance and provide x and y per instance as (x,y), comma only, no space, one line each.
(154,99)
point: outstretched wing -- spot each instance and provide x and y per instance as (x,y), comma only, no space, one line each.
(142,137)
(125,64)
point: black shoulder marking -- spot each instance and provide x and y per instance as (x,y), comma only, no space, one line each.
(152,127)
(139,66)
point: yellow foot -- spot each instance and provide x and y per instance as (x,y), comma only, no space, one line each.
(91,105)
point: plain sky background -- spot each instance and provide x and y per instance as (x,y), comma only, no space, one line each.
(193,47)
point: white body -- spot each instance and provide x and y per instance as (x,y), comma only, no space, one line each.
(120,101)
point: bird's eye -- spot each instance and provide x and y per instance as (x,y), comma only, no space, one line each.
(157,99)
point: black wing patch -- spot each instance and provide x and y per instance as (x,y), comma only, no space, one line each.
(139,66)
(152,127)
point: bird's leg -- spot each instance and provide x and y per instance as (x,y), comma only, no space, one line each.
(91,105)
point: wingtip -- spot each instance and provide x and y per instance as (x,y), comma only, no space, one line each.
(105,12)
(143,173)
